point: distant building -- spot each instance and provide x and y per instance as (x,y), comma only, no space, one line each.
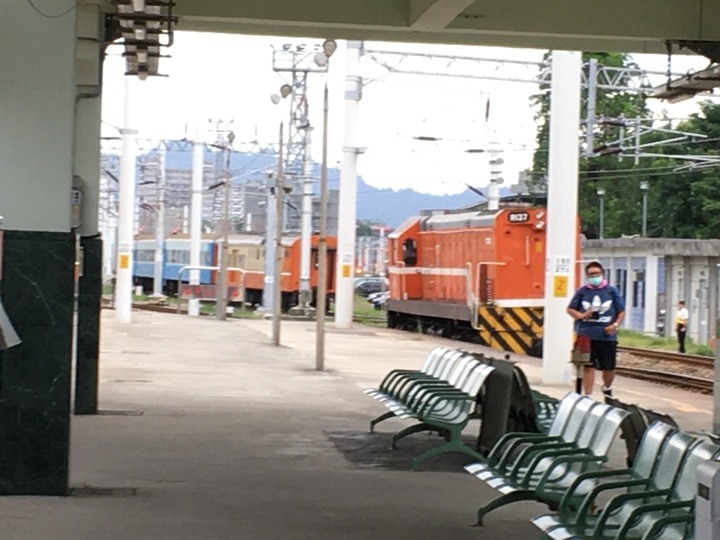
(653,274)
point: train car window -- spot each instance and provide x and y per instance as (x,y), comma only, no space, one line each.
(410,252)
(257,254)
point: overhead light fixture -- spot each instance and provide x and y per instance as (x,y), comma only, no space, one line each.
(329,47)
(285,90)
(321,60)
(426,138)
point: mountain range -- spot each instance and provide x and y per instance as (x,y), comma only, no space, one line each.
(384,205)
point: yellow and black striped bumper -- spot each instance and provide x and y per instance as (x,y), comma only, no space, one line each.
(510,329)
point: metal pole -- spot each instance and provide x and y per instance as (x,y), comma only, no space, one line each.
(277,276)
(222,288)
(562,218)
(344,290)
(322,243)
(644,215)
(160,229)
(270,227)
(196,218)
(591,105)
(126,211)
(602,217)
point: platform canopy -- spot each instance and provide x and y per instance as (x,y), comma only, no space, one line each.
(640,26)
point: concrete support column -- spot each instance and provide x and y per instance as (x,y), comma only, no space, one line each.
(347,211)
(126,209)
(37,109)
(86,168)
(562,231)
(196,204)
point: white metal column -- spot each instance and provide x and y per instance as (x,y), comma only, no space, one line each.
(196,217)
(126,212)
(348,191)
(562,215)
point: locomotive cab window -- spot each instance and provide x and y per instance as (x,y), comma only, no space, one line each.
(410,252)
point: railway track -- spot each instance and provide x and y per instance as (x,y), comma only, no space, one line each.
(669,356)
(670,377)
(701,384)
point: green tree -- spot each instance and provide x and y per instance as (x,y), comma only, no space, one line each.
(623,196)
(686,203)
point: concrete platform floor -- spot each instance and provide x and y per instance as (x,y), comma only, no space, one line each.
(209,432)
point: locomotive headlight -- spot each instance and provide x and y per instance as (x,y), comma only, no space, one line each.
(540,225)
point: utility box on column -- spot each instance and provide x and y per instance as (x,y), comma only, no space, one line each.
(707,505)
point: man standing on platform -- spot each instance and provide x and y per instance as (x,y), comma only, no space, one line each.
(681,323)
(599,310)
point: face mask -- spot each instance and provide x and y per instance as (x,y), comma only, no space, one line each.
(595,280)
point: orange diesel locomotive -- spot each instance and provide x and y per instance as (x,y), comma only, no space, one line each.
(477,276)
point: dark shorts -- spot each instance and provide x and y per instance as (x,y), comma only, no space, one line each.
(603,354)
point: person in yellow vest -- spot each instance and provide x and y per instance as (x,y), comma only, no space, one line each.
(681,322)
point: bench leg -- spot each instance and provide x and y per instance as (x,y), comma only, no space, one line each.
(504,500)
(453,446)
(415,428)
(379,419)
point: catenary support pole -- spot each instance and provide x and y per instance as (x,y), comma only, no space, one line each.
(591,107)
(223,248)
(322,245)
(270,228)
(196,217)
(126,211)
(561,255)
(277,275)
(348,190)
(306,224)
(160,227)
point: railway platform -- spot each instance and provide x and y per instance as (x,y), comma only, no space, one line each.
(206,431)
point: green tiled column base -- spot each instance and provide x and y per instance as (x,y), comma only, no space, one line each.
(88,327)
(37,292)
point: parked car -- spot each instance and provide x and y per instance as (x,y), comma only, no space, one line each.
(379,299)
(367,286)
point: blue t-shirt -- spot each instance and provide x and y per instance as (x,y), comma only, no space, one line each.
(605,302)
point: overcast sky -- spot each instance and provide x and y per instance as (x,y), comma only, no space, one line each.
(230,77)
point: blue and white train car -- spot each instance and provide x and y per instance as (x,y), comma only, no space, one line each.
(176,255)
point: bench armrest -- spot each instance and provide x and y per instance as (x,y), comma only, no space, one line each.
(619,500)
(582,458)
(631,520)
(587,477)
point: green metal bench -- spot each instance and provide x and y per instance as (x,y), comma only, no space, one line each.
(654,504)
(510,448)
(575,507)
(546,470)
(441,397)
(399,383)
